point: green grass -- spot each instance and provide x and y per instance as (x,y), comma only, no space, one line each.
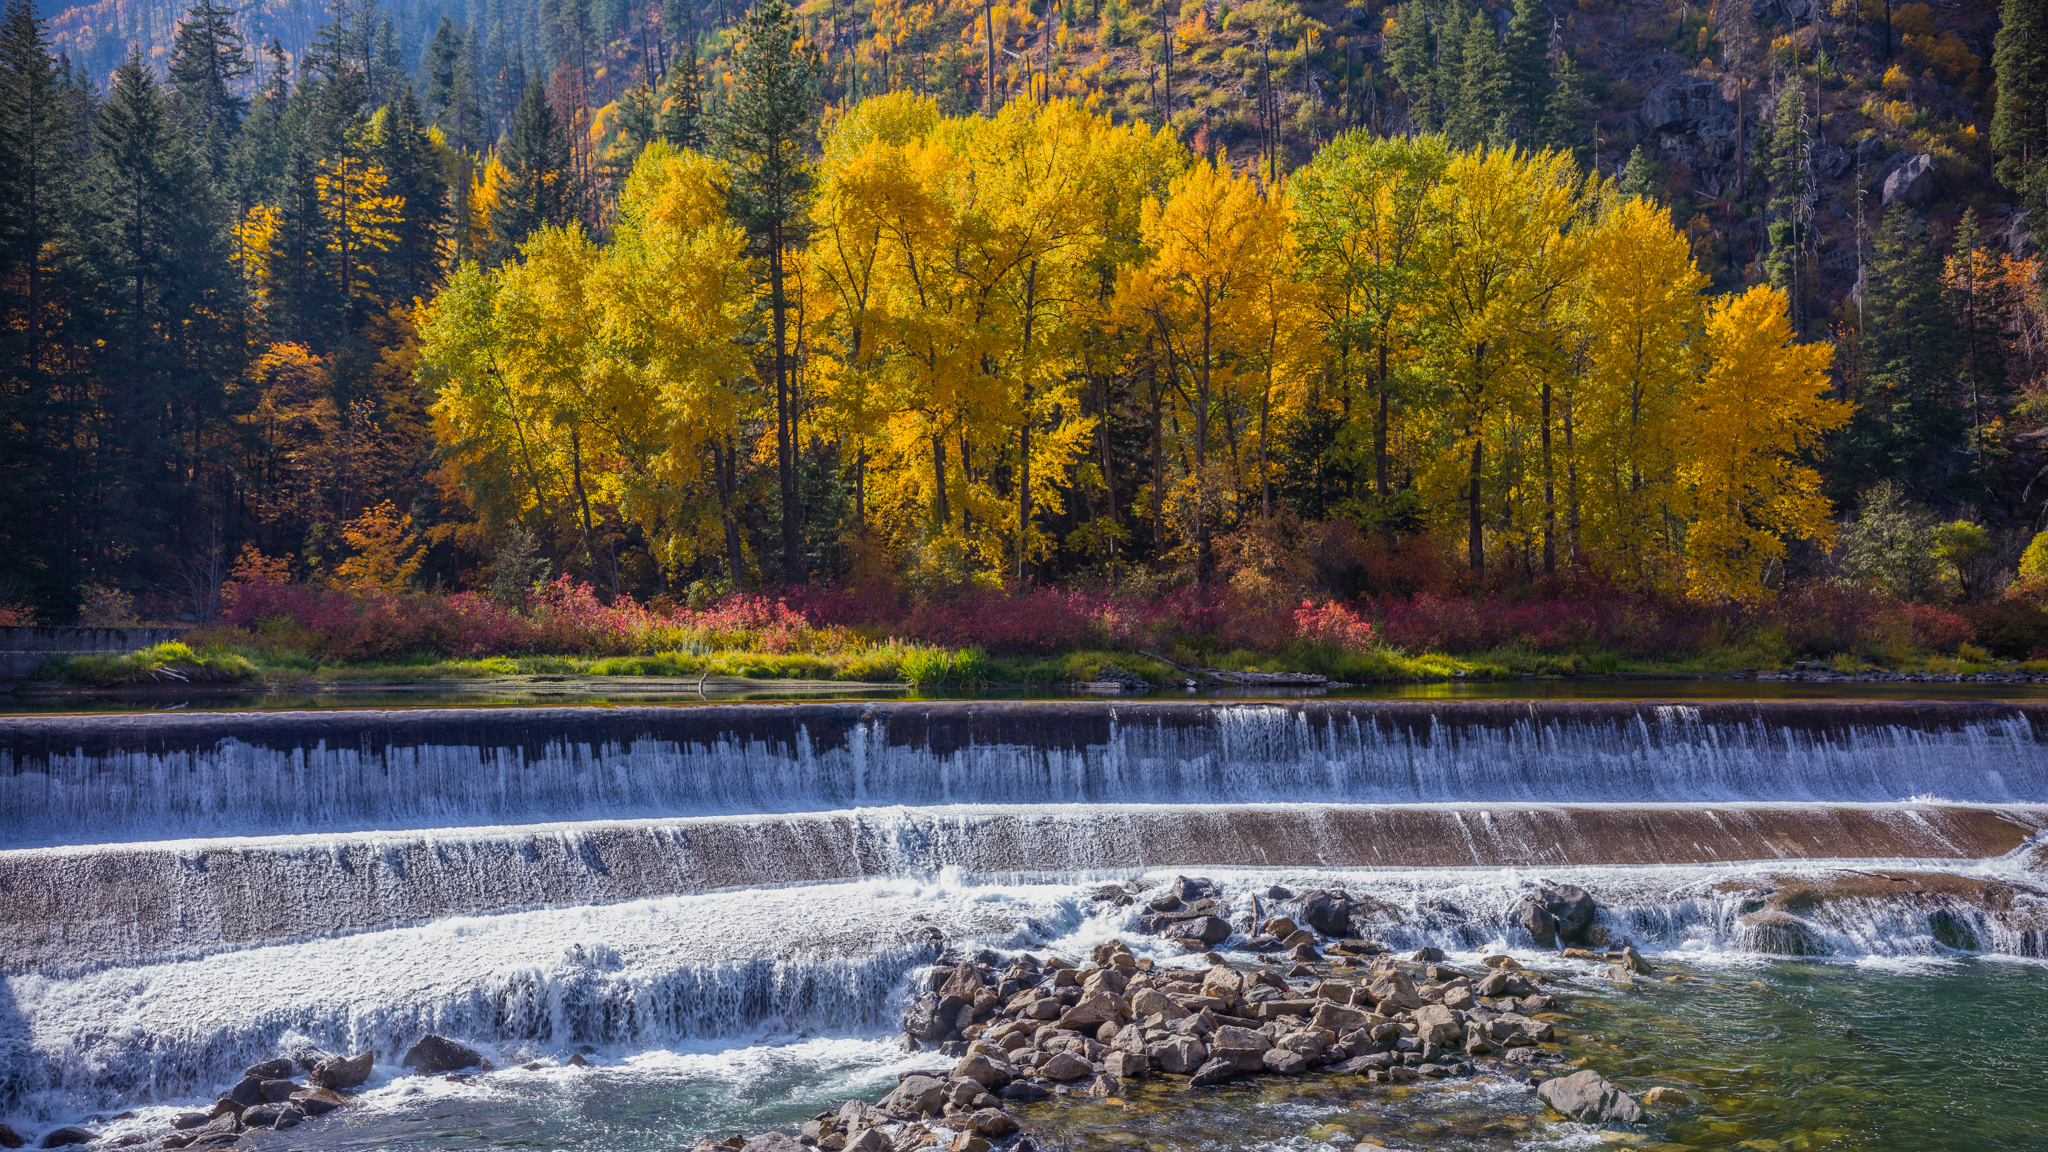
(166,663)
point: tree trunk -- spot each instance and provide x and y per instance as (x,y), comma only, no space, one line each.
(944,513)
(1379,429)
(785,431)
(1549,492)
(1475,541)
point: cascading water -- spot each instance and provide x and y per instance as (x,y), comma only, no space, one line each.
(187,894)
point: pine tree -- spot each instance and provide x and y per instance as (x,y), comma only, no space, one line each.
(1528,63)
(542,188)
(437,71)
(1564,111)
(1906,425)
(680,119)
(1483,85)
(1411,55)
(764,128)
(206,61)
(2019,123)
(387,66)
(1640,178)
(414,171)
(264,149)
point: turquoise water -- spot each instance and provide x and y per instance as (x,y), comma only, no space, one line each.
(1928,1056)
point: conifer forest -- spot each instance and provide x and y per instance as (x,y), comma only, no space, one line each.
(1563,330)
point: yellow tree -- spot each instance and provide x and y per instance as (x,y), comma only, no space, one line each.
(673,296)
(1214,239)
(1365,218)
(1760,411)
(1492,299)
(1640,317)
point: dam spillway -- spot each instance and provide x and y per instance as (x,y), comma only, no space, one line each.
(578,875)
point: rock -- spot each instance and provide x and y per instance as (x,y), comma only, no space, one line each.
(775,1142)
(1095,1009)
(577,1061)
(1280,926)
(1214,1072)
(1393,992)
(1560,914)
(339,1072)
(1428,956)
(2020,242)
(1587,1096)
(9,1138)
(870,1140)
(434,1055)
(261,1116)
(992,1122)
(1437,1024)
(287,1120)
(1634,962)
(222,1107)
(181,1121)
(1065,1066)
(247,1091)
(1200,933)
(1178,1055)
(278,1091)
(1502,963)
(1025,1091)
(964,982)
(278,1069)
(317,1101)
(1668,1097)
(917,1095)
(1283,1061)
(1680,106)
(1152,1002)
(990,1074)
(68,1135)
(1326,913)
(1912,182)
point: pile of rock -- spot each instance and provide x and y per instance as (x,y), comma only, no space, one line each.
(268,1097)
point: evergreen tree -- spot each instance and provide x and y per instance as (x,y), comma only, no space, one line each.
(1640,178)
(413,168)
(1483,84)
(680,119)
(541,189)
(639,109)
(206,61)
(1906,426)
(41,277)
(387,66)
(1528,64)
(764,128)
(1411,57)
(2019,123)
(1564,111)
(437,71)
(264,149)
(1791,189)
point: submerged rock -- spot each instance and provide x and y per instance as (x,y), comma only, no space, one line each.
(68,1135)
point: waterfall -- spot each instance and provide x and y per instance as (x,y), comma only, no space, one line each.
(72,780)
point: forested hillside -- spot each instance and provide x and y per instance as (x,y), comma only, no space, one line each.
(1278,297)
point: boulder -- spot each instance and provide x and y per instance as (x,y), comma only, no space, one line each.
(992,1122)
(1437,1024)
(339,1072)
(261,1116)
(917,1096)
(1283,1061)
(1280,926)
(68,1135)
(278,1069)
(1911,182)
(9,1138)
(775,1142)
(1065,1066)
(1558,915)
(1587,1096)
(278,1091)
(1223,984)
(1679,106)
(1178,1054)
(1332,1018)
(1667,1097)
(434,1055)
(181,1121)
(1393,992)
(1095,1009)
(1025,1091)
(1326,913)
(870,1140)
(1151,1002)
(1199,933)
(317,1101)
(1214,1072)
(1431,955)
(990,1074)
(248,1091)
(2019,235)
(964,981)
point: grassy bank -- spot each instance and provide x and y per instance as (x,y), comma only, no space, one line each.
(238,656)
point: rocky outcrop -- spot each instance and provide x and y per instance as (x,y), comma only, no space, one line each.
(1912,182)
(434,1055)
